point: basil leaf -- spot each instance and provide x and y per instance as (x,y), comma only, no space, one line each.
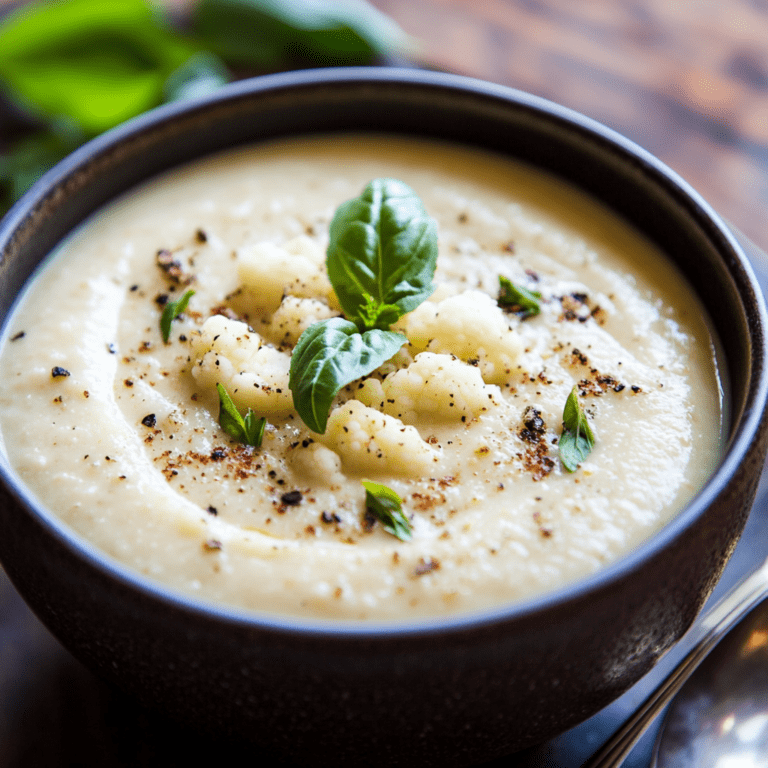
(577,439)
(374,315)
(520,300)
(381,259)
(386,506)
(329,355)
(248,430)
(382,253)
(254,428)
(171,311)
(230,419)
(271,34)
(96,62)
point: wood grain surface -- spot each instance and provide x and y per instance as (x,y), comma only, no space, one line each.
(685,79)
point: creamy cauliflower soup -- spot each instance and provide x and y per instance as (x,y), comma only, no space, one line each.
(460,433)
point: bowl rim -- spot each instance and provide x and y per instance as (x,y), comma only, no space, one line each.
(734,451)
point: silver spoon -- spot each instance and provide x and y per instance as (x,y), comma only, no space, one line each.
(720,717)
(742,665)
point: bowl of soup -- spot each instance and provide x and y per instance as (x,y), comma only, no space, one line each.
(388,411)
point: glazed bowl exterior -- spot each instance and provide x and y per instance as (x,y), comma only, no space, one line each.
(450,691)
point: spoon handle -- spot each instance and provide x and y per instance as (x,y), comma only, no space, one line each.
(723,617)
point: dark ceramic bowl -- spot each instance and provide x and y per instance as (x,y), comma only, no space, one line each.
(440,691)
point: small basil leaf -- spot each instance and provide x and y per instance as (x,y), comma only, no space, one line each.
(329,355)
(519,300)
(577,439)
(254,429)
(386,506)
(230,419)
(248,430)
(382,253)
(171,311)
(375,315)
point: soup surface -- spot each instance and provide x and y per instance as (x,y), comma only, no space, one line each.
(117,432)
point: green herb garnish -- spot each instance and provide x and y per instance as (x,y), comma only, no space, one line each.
(520,300)
(171,311)
(248,430)
(381,259)
(386,506)
(577,439)
(91,64)
(329,355)
(382,254)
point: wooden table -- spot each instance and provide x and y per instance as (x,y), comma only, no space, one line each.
(686,80)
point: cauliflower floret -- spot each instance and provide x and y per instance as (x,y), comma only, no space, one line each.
(294,316)
(254,375)
(370,441)
(319,464)
(470,326)
(438,386)
(271,271)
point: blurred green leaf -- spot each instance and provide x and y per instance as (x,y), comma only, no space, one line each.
(84,66)
(198,76)
(99,62)
(270,34)
(30,157)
